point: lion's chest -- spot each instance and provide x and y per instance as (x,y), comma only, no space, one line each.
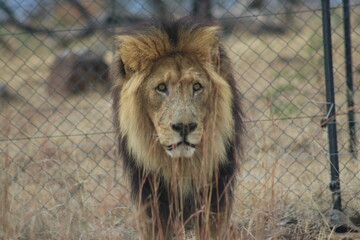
(186,176)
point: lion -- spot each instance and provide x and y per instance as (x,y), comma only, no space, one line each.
(178,123)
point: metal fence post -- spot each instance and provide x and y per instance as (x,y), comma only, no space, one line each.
(349,78)
(330,99)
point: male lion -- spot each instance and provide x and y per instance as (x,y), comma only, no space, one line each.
(178,123)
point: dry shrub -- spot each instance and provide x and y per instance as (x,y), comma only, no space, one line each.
(76,72)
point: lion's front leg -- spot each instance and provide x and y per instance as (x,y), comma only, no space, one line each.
(153,223)
(154,220)
(219,225)
(216,209)
(213,225)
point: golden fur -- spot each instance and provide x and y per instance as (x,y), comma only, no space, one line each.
(199,90)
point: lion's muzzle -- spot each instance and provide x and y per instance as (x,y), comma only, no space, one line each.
(182,148)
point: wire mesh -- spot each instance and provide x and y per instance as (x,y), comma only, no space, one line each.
(59,174)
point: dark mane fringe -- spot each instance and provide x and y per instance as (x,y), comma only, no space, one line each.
(226,71)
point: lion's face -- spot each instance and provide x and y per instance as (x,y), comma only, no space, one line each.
(175,95)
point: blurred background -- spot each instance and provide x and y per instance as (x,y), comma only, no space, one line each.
(59,177)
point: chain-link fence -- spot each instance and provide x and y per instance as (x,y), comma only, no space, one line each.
(60,178)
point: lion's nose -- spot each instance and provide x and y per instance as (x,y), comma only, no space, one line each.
(184,129)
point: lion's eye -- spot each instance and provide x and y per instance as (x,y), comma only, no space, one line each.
(197,87)
(162,88)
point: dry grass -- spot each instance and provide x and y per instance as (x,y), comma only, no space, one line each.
(59,178)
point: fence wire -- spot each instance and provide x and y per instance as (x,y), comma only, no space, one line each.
(59,175)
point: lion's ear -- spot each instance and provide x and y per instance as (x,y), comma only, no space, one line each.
(121,68)
(118,70)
